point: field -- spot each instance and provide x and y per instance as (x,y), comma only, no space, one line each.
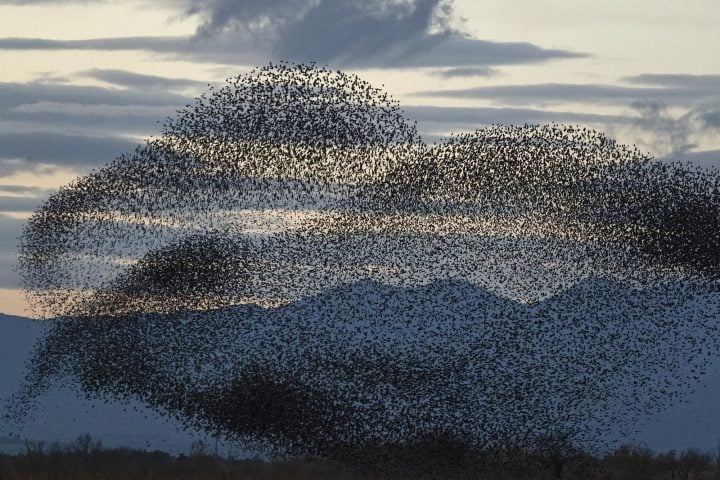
(87,460)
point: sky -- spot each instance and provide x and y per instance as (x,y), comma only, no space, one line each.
(83,81)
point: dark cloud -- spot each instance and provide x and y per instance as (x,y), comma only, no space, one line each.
(480,71)
(128,79)
(653,116)
(40,2)
(668,89)
(709,82)
(673,133)
(9,203)
(468,51)
(377,33)
(712,118)
(26,190)
(374,32)
(79,125)
(8,277)
(424,51)
(387,33)
(56,148)
(193,48)
(706,158)
(9,234)
(9,166)
(160,44)
(260,18)
(90,120)
(15,94)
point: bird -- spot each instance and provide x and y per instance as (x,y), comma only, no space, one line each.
(290,266)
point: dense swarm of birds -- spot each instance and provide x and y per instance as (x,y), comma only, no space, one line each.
(291,266)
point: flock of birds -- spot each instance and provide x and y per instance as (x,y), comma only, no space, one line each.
(291,266)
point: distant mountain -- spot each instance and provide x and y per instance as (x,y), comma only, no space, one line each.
(433,322)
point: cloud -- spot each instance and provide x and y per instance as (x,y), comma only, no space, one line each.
(425,51)
(40,2)
(9,203)
(668,89)
(25,190)
(72,118)
(160,44)
(557,93)
(706,82)
(23,149)
(665,113)
(96,110)
(654,131)
(480,116)
(16,94)
(675,132)
(706,158)
(393,33)
(372,32)
(376,33)
(666,133)
(711,118)
(100,119)
(22,190)
(480,71)
(257,17)
(452,52)
(193,48)
(128,79)
(9,234)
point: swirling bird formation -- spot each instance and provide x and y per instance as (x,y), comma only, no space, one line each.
(291,266)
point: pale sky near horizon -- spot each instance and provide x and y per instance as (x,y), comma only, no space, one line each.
(83,81)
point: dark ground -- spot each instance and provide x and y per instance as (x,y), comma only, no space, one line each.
(87,460)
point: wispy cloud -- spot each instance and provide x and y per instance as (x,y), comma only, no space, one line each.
(25,190)
(558,93)
(15,94)
(159,44)
(479,71)
(704,82)
(128,79)
(55,2)
(453,118)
